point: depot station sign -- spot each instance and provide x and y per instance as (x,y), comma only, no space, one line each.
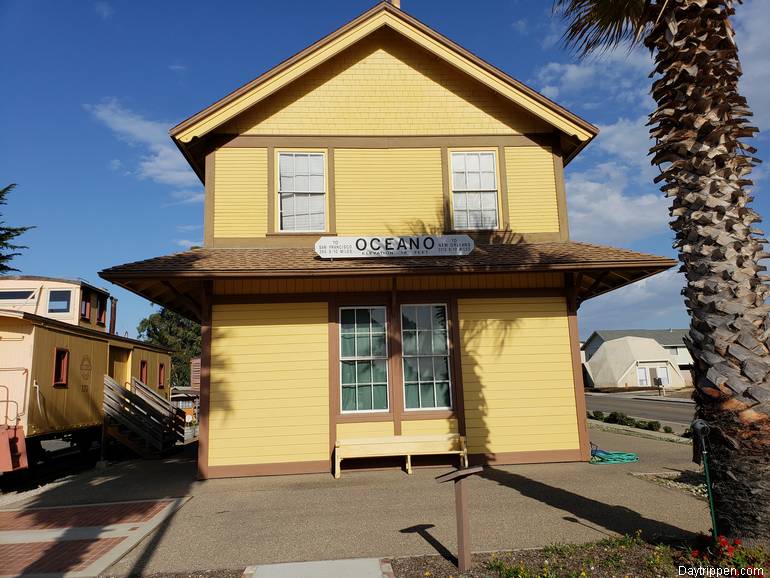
(406,246)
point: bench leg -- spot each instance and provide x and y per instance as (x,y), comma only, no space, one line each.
(409,465)
(337,462)
(464,460)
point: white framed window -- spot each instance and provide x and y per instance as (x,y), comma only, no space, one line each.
(474,190)
(642,376)
(59,300)
(363,359)
(425,357)
(15,296)
(301,192)
(661,373)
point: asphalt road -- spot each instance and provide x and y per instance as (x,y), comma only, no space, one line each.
(672,412)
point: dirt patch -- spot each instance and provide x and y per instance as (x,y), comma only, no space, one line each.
(687,481)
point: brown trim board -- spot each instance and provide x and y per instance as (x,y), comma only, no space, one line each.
(208,202)
(561,193)
(533,457)
(577,368)
(388,141)
(273,469)
(272,194)
(205,381)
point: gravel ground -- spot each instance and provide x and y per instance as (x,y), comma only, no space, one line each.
(691,482)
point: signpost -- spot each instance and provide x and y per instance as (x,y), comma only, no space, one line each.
(403,246)
(461,511)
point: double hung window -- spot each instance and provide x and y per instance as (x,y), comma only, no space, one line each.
(302,192)
(474,190)
(363,359)
(425,347)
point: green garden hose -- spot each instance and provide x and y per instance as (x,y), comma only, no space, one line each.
(600,456)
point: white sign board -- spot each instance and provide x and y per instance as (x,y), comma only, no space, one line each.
(408,246)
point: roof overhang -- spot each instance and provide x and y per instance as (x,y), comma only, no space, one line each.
(571,126)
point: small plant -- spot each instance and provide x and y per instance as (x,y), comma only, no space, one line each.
(727,553)
(668,429)
(598,415)
(653,426)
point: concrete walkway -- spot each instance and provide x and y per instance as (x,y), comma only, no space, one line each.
(236,523)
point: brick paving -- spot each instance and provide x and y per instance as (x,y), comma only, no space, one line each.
(53,557)
(80,517)
(52,540)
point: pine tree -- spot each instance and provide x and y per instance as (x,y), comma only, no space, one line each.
(8,249)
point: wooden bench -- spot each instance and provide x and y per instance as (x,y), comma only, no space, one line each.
(423,445)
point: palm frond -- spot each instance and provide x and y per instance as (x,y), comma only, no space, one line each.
(600,25)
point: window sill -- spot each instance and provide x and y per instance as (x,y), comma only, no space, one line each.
(301,234)
(363,417)
(418,414)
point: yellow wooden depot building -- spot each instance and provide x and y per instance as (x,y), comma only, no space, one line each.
(382,136)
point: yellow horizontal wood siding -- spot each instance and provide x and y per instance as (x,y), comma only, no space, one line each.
(385,86)
(367,429)
(240,192)
(380,284)
(77,405)
(269,384)
(532,204)
(388,191)
(423,427)
(517,375)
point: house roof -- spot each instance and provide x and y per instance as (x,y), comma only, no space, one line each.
(78,282)
(665,337)
(383,14)
(169,280)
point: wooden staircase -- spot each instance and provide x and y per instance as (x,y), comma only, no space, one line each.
(140,419)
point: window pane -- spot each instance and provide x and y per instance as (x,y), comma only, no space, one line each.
(460,201)
(348,318)
(362,321)
(459,183)
(439,342)
(301,183)
(487,162)
(348,398)
(59,301)
(439,317)
(287,164)
(489,201)
(410,369)
(364,397)
(287,204)
(424,342)
(317,222)
(489,219)
(408,318)
(474,219)
(316,184)
(474,181)
(287,223)
(487,181)
(301,204)
(426,395)
(15,295)
(316,164)
(317,204)
(411,396)
(348,346)
(442,394)
(287,184)
(424,315)
(378,320)
(300,165)
(380,371)
(348,371)
(471,162)
(426,368)
(458,161)
(441,368)
(380,397)
(378,345)
(474,201)
(409,342)
(363,346)
(301,222)
(461,220)
(364,371)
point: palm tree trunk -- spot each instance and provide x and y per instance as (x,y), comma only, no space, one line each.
(698,124)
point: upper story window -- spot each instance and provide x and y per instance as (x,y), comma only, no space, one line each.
(302,192)
(59,301)
(85,305)
(474,190)
(15,296)
(101,309)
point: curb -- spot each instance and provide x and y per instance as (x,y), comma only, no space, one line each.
(663,399)
(640,433)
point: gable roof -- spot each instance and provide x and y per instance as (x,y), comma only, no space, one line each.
(383,14)
(665,337)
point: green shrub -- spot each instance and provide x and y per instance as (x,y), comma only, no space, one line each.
(668,429)
(653,425)
(620,418)
(598,415)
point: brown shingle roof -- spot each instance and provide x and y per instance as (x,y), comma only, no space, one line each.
(297,261)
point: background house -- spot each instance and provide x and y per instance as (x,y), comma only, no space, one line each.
(633,362)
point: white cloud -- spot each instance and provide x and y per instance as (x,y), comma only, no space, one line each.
(602,211)
(751,20)
(161,162)
(185,197)
(629,140)
(177,67)
(655,302)
(187,243)
(187,228)
(521,26)
(104,9)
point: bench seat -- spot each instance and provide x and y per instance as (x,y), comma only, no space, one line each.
(408,446)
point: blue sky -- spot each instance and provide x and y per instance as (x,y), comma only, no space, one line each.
(95,85)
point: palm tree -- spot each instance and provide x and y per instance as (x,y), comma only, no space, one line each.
(698,127)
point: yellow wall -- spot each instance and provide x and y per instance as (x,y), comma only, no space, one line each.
(240,192)
(381,86)
(153,358)
(531,190)
(80,403)
(388,191)
(269,384)
(421,427)
(369,429)
(517,375)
